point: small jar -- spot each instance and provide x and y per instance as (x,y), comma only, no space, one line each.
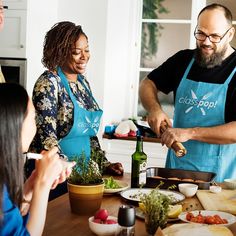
(126,221)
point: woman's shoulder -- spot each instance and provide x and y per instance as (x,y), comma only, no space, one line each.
(48,76)
(48,80)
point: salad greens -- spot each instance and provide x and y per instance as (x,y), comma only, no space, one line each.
(110,183)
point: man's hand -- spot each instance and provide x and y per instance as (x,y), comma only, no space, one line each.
(172,135)
(115,169)
(155,118)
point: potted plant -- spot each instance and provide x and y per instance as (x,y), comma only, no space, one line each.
(85,186)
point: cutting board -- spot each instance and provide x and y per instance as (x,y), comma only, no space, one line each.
(218,201)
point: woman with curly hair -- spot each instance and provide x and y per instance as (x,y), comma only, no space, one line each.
(68,115)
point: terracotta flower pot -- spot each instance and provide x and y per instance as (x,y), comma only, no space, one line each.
(85,199)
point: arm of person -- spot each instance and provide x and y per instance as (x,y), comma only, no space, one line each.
(99,156)
(45,99)
(148,94)
(221,134)
(47,170)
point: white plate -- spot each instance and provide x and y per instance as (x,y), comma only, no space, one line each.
(229,217)
(133,194)
(123,185)
(196,230)
(140,214)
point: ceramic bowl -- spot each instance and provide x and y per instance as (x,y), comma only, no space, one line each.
(189,190)
(230,183)
(103,229)
(215,189)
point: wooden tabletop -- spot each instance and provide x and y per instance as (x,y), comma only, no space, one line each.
(60,221)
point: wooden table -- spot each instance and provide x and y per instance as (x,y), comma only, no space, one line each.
(60,221)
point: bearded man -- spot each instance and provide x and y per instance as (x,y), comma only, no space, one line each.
(204,85)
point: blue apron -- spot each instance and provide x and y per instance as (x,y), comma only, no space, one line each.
(200,104)
(86,124)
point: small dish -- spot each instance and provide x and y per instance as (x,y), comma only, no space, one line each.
(103,229)
(230,183)
(229,217)
(123,186)
(189,190)
(215,189)
(133,194)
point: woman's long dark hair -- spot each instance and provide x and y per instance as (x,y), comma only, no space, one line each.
(58,44)
(13,108)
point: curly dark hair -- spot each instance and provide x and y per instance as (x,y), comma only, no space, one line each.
(58,42)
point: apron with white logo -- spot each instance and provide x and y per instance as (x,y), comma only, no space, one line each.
(86,124)
(200,104)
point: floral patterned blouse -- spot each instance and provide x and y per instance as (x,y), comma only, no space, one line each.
(54,111)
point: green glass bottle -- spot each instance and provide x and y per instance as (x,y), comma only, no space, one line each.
(139,165)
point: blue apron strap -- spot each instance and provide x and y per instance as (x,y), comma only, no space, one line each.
(80,78)
(66,84)
(230,76)
(188,68)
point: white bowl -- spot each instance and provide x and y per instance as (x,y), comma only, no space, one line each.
(189,190)
(103,229)
(230,183)
(215,189)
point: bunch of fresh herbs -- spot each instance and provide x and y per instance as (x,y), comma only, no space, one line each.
(156,207)
(85,172)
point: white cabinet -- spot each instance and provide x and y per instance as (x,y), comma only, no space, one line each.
(13,36)
(121,151)
(15,4)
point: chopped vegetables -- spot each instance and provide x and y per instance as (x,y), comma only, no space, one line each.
(110,183)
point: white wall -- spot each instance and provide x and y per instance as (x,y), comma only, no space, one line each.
(41,15)
(121,60)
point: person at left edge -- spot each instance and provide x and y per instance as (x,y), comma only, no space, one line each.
(2,80)
(23,204)
(67,114)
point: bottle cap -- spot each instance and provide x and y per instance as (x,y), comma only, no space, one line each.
(126,216)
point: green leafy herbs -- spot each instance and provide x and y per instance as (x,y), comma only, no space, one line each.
(85,171)
(110,183)
(156,209)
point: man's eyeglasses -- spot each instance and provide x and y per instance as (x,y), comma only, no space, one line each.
(214,38)
(2,8)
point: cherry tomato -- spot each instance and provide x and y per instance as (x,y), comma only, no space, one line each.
(210,220)
(189,216)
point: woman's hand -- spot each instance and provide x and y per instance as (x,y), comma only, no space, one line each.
(49,168)
(67,168)
(115,169)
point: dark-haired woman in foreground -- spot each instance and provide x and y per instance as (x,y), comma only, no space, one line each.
(17,199)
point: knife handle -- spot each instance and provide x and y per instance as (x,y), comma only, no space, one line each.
(178,147)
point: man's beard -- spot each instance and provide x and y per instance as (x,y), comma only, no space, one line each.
(209,61)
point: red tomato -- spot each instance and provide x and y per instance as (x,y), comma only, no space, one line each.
(209,220)
(189,216)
